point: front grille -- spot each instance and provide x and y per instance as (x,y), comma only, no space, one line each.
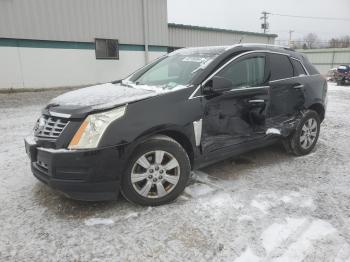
(50,127)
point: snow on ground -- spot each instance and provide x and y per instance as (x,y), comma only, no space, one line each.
(262,206)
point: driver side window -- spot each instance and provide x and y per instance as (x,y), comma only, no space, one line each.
(249,72)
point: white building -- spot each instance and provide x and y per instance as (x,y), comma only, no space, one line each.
(78,42)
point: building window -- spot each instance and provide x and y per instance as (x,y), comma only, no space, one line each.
(106,48)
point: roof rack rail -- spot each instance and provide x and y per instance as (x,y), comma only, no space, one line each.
(266,45)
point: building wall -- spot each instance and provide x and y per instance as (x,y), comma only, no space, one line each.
(84,20)
(326,59)
(74,64)
(50,43)
(188,36)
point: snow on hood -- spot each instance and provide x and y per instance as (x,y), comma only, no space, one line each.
(108,95)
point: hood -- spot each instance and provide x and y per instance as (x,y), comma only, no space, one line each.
(101,96)
(79,103)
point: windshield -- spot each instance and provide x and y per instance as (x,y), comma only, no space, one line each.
(177,69)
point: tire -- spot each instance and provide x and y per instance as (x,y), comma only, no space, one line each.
(306,134)
(157,172)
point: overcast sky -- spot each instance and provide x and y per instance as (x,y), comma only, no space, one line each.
(245,14)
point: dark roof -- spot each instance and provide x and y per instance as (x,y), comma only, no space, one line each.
(218,30)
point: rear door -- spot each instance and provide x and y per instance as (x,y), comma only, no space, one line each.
(237,116)
(287,83)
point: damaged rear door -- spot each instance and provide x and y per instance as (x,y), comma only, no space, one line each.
(288,80)
(239,115)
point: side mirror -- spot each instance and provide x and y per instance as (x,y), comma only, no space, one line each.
(217,85)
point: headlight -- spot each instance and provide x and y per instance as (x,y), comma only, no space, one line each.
(91,130)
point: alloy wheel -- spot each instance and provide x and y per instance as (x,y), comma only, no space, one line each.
(308,133)
(155,174)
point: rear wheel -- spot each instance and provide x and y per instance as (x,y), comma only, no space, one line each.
(306,134)
(157,172)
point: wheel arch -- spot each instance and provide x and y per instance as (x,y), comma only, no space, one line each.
(183,140)
(319,109)
(174,132)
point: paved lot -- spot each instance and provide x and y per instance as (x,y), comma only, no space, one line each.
(263,206)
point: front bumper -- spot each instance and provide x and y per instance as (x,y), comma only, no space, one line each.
(90,175)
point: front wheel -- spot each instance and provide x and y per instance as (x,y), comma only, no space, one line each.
(306,134)
(157,172)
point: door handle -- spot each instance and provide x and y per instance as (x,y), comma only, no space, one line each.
(298,86)
(256,101)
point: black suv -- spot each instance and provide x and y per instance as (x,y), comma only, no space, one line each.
(143,135)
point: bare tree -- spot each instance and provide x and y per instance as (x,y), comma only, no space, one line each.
(310,40)
(297,44)
(342,42)
(345,41)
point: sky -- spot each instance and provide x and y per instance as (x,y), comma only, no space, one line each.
(245,15)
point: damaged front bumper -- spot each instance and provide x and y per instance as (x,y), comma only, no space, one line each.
(90,175)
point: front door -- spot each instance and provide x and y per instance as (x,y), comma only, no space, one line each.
(237,116)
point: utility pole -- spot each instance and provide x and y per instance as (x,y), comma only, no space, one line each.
(290,37)
(264,25)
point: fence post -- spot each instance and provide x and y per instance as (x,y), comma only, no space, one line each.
(333,59)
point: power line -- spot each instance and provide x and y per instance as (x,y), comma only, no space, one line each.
(312,17)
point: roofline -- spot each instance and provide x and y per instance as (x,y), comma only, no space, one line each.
(266,46)
(219,30)
(252,45)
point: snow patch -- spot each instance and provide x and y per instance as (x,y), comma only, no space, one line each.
(223,200)
(296,199)
(304,245)
(98,221)
(201,176)
(131,215)
(343,254)
(198,190)
(247,256)
(307,203)
(276,234)
(263,206)
(245,218)
(217,50)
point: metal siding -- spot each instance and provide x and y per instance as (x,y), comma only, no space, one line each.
(158,31)
(325,59)
(184,37)
(83,20)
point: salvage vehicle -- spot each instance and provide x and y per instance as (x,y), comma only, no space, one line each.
(342,75)
(142,136)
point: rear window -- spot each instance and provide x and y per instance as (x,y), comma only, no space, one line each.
(281,67)
(309,67)
(298,68)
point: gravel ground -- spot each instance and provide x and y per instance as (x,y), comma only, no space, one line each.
(263,206)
